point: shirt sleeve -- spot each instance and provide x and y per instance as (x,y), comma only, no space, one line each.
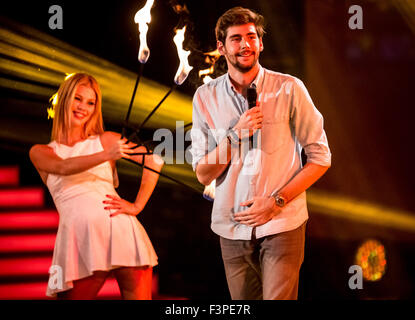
(308,125)
(200,133)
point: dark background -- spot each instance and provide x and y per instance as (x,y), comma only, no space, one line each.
(360,80)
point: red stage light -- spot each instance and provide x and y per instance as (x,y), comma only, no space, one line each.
(22,197)
(26,266)
(37,290)
(9,176)
(29,220)
(27,243)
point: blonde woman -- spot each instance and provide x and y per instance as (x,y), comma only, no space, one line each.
(98,231)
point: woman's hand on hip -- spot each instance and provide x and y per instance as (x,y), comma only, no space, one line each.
(121,206)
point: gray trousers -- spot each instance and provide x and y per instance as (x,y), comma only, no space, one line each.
(266,268)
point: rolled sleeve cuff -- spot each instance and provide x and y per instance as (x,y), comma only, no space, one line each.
(199,146)
(318,154)
(196,157)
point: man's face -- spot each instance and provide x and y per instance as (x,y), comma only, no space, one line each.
(242,47)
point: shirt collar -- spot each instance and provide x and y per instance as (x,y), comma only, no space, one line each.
(257,82)
(259,79)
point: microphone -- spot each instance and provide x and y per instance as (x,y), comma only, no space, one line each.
(251,96)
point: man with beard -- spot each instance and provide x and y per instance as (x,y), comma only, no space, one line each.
(260,210)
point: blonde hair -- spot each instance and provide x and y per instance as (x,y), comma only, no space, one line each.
(66,94)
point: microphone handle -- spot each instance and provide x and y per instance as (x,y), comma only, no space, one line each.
(251,96)
(251,104)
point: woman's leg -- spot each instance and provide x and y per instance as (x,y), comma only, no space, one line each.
(85,288)
(135,282)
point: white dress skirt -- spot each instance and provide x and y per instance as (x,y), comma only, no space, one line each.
(88,239)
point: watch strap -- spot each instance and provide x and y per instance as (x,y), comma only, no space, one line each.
(233,137)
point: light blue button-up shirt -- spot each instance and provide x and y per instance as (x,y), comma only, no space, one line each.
(291,122)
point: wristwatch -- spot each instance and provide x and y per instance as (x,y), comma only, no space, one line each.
(280,200)
(233,137)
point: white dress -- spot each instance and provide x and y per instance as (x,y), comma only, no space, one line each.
(88,239)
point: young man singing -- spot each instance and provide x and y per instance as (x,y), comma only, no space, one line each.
(260,209)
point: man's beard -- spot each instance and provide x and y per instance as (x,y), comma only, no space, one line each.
(243,68)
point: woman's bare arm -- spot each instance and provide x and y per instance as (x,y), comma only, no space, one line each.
(45,159)
(148,180)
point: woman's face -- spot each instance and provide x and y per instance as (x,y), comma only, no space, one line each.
(83,105)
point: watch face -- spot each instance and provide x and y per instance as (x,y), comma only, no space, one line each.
(280,201)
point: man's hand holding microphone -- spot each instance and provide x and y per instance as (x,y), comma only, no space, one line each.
(251,120)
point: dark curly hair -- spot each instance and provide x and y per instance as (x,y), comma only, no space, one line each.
(238,16)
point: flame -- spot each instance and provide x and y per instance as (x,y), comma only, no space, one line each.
(206,72)
(180,9)
(212,55)
(184,67)
(207,79)
(143,18)
(211,58)
(210,190)
(68,75)
(51,113)
(54,98)
(54,101)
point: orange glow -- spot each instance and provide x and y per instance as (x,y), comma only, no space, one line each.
(211,58)
(372,258)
